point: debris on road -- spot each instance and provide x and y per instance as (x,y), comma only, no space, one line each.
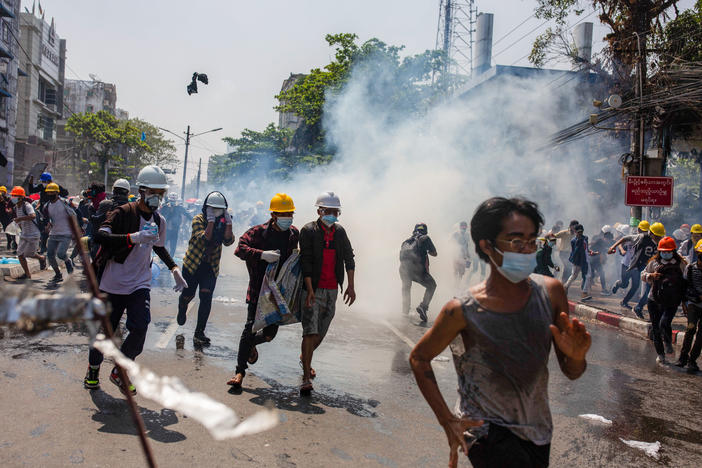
(596,417)
(651,448)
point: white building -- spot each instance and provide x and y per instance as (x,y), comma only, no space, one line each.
(9,68)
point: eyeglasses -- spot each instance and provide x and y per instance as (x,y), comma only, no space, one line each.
(520,245)
(330,211)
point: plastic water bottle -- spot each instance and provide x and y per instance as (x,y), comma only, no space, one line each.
(151,226)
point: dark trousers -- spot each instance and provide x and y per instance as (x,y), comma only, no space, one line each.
(635,276)
(644,297)
(409,275)
(502,448)
(250,339)
(138,307)
(693,332)
(11,243)
(661,324)
(564,255)
(206,279)
(172,240)
(597,270)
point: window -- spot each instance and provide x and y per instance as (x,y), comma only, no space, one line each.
(3,108)
(47,93)
(45,127)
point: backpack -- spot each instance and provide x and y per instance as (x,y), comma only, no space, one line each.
(410,251)
(670,289)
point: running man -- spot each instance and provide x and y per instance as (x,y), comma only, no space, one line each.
(59,215)
(414,267)
(29,236)
(503,331)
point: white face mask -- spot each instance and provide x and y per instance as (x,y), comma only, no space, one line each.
(516,267)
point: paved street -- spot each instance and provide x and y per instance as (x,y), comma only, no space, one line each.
(366,409)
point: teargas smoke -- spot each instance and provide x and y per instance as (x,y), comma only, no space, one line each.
(394,168)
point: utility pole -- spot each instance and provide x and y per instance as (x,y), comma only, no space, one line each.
(197,190)
(639,132)
(185,163)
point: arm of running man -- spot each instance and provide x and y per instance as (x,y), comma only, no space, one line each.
(571,340)
(447,326)
(245,249)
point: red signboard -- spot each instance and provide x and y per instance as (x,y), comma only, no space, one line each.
(649,191)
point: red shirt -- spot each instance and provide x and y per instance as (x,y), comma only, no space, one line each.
(328,278)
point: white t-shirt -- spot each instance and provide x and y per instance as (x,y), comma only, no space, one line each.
(29,229)
(60,219)
(135,272)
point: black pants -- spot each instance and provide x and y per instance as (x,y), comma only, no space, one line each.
(502,448)
(596,271)
(138,307)
(661,324)
(206,279)
(417,275)
(249,339)
(693,332)
(172,241)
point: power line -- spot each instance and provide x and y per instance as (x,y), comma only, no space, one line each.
(513,29)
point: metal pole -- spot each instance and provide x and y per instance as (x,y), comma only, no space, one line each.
(197,190)
(185,163)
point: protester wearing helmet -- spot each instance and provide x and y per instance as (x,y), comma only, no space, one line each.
(687,250)
(262,244)
(665,272)
(44,180)
(325,253)
(692,343)
(210,230)
(414,267)
(127,238)
(175,215)
(7,213)
(29,237)
(58,214)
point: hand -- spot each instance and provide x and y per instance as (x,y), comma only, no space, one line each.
(571,337)
(180,282)
(611,250)
(350,295)
(227,218)
(209,213)
(454,428)
(309,300)
(594,253)
(270,256)
(655,276)
(143,237)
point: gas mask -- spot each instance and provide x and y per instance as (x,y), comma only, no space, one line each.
(153,201)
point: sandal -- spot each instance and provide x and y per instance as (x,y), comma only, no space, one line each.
(236,381)
(253,357)
(313,374)
(306,388)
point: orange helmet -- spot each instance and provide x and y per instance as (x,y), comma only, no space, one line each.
(667,244)
(17,191)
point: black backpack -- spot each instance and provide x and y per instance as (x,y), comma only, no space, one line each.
(670,289)
(410,251)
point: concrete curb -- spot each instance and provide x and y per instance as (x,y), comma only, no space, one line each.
(15,271)
(640,328)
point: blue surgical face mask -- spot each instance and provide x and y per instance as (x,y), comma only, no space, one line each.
(516,267)
(284,223)
(329,219)
(666,255)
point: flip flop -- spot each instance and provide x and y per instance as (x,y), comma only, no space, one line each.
(253,357)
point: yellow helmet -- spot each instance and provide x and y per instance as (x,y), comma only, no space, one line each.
(3,189)
(695,229)
(657,229)
(52,188)
(644,225)
(282,203)
(698,246)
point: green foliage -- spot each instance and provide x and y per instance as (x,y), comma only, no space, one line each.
(681,39)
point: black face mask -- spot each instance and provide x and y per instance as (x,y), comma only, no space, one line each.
(53,197)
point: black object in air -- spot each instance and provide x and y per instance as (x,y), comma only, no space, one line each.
(192,87)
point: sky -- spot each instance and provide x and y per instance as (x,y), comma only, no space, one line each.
(150,49)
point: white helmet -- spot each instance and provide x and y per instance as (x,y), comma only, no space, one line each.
(679,235)
(607,228)
(152,177)
(623,229)
(121,184)
(215,200)
(328,200)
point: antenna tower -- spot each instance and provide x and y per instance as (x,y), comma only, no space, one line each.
(454,35)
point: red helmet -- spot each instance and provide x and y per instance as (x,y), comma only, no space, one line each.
(667,244)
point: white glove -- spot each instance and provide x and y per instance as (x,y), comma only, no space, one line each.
(180,282)
(227,217)
(270,256)
(210,214)
(143,237)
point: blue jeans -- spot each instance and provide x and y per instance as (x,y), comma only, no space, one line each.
(644,297)
(635,277)
(57,246)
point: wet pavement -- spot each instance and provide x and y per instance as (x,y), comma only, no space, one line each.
(366,409)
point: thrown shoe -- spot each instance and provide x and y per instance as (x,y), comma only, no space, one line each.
(92,378)
(115,379)
(692,367)
(422,313)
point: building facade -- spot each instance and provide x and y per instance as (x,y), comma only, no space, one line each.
(82,96)
(9,69)
(290,120)
(40,94)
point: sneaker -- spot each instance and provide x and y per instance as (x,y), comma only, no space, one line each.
(115,379)
(661,359)
(182,315)
(69,267)
(682,361)
(92,378)
(585,297)
(638,313)
(58,277)
(606,293)
(692,367)
(199,339)
(42,263)
(669,348)
(422,313)
(615,288)
(625,305)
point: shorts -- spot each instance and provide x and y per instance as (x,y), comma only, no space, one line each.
(27,247)
(316,319)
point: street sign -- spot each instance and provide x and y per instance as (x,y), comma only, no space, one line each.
(649,191)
